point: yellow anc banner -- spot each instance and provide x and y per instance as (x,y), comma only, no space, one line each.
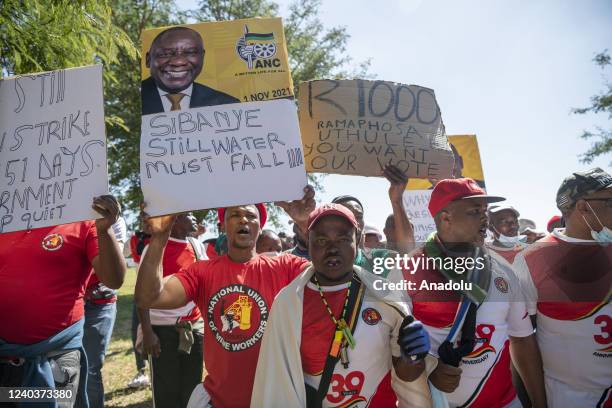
(243,59)
(467,162)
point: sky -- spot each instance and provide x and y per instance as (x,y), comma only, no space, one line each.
(507,71)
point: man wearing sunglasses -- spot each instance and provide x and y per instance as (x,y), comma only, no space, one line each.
(175,59)
(567,278)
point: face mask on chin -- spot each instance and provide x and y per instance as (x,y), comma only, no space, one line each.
(270,254)
(509,242)
(605,235)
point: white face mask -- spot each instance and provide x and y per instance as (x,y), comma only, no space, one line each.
(367,251)
(508,241)
(605,235)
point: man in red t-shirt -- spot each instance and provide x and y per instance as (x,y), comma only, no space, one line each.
(475,315)
(234,293)
(333,334)
(43,273)
(174,337)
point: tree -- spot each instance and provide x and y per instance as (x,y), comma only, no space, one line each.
(122,97)
(38,35)
(599,103)
(314,52)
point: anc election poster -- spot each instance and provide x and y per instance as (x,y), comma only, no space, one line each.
(466,159)
(214,63)
(467,163)
(357,127)
(219,124)
(52,148)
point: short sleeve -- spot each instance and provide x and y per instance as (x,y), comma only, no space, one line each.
(192,279)
(91,240)
(292,265)
(527,286)
(519,323)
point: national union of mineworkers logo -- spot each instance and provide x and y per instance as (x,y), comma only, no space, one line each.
(52,242)
(257,49)
(237,317)
(370,316)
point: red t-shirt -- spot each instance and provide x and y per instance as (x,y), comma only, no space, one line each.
(178,255)
(318,328)
(43,274)
(235,299)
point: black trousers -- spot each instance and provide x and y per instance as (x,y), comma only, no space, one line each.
(175,374)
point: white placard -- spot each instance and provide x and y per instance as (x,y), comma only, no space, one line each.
(415,204)
(220,156)
(52,148)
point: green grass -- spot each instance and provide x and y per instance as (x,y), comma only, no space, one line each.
(119,366)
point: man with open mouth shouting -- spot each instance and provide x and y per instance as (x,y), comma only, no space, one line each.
(472,306)
(234,292)
(332,337)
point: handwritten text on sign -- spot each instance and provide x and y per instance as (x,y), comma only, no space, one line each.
(220,156)
(52,148)
(416,203)
(357,127)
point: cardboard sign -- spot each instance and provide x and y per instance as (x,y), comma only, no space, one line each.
(467,162)
(52,148)
(357,127)
(221,156)
(214,63)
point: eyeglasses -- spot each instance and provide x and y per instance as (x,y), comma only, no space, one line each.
(608,200)
(171,53)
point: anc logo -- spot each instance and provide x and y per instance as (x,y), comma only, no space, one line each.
(370,316)
(501,284)
(484,333)
(237,317)
(52,242)
(257,50)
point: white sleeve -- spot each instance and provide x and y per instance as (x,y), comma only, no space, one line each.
(519,323)
(528,288)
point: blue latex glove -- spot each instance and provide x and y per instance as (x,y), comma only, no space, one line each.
(413,339)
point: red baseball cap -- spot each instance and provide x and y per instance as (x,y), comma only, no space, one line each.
(554,219)
(331,209)
(263,214)
(450,190)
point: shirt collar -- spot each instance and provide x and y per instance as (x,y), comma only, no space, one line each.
(186,91)
(559,233)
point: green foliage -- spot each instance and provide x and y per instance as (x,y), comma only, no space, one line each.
(122,97)
(38,35)
(601,103)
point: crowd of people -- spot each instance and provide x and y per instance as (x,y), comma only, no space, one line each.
(269,319)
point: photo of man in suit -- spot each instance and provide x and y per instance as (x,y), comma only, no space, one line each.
(175,60)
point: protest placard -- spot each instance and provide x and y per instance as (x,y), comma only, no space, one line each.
(467,162)
(357,127)
(219,124)
(52,148)
(415,204)
(418,192)
(214,63)
(220,156)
